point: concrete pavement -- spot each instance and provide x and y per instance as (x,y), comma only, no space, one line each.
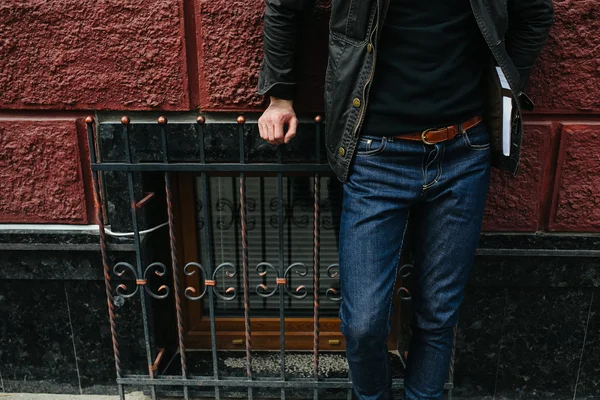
(32,396)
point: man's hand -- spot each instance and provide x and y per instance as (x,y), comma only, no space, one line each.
(280,113)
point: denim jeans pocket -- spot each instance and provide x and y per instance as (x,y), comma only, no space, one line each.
(477,138)
(370,145)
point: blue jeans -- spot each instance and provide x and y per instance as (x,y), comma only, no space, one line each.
(443,187)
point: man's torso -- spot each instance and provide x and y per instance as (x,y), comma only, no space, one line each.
(429,69)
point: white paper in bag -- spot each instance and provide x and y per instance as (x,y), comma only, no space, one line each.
(506,114)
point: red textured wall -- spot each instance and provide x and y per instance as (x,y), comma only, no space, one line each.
(515,204)
(230,51)
(41,177)
(576,197)
(189,55)
(567,76)
(77,54)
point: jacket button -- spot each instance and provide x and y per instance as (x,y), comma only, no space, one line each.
(356,102)
(369,48)
(341,151)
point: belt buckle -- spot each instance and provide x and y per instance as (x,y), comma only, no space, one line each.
(424,139)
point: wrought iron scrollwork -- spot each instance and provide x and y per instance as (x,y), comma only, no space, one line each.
(159,270)
(230,292)
(224,204)
(299,292)
(289,216)
(333,271)
(191,268)
(327,211)
(123,268)
(120,269)
(189,271)
(262,289)
(232,213)
(250,207)
(304,205)
(405,271)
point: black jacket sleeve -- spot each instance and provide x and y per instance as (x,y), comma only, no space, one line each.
(528,28)
(282,23)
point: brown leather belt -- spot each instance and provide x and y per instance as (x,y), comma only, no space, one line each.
(436,135)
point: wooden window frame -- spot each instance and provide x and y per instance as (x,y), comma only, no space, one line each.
(230,331)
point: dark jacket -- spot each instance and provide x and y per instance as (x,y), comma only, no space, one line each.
(515,32)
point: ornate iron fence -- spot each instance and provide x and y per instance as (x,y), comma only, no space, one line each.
(137,279)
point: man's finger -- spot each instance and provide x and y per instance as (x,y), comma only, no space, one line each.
(271,132)
(278,133)
(291,133)
(261,129)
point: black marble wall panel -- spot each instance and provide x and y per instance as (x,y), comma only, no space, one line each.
(54,330)
(57,255)
(478,341)
(56,265)
(92,337)
(55,337)
(540,348)
(528,327)
(555,272)
(221,141)
(528,272)
(528,315)
(50,265)
(36,346)
(527,241)
(588,378)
